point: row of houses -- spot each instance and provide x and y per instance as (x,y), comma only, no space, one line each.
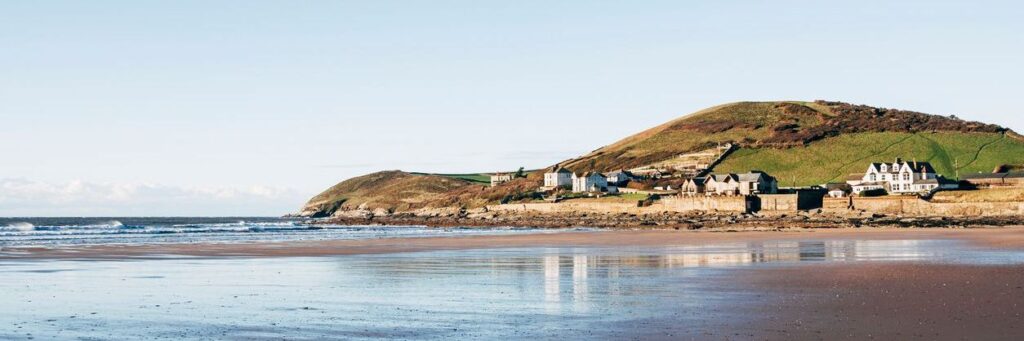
(586,182)
(899,177)
(752,183)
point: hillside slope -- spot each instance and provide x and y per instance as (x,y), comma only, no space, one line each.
(833,159)
(398,191)
(390,190)
(779,125)
(801,143)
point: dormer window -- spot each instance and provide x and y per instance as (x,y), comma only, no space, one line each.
(885,168)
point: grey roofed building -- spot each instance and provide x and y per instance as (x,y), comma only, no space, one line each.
(722,177)
(919,167)
(1014,175)
(971,176)
(754,176)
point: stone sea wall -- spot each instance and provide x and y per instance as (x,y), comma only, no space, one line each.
(918,207)
(708,204)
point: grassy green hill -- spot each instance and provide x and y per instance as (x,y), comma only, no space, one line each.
(801,143)
(832,159)
(480,178)
(783,126)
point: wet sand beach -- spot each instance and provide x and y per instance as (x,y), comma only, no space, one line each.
(999,237)
(821,284)
(885,301)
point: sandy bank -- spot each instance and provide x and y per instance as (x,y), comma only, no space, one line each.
(1005,237)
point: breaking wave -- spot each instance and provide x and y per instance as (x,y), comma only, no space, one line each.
(19,226)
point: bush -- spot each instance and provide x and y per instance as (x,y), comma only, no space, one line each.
(878,192)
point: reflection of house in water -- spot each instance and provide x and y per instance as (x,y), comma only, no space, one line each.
(580,291)
(610,276)
(761,252)
(552,284)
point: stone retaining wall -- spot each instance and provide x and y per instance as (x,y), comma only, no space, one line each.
(915,206)
(708,204)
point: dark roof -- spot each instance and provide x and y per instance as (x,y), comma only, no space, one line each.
(754,176)
(559,169)
(837,186)
(915,166)
(870,184)
(722,177)
(925,166)
(978,176)
(1014,175)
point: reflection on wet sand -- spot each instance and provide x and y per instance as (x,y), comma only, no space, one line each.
(583,264)
(587,292)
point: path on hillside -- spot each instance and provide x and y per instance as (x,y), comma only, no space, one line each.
(848,164)
(977,153)
(939,153)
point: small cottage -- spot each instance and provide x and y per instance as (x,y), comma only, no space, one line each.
(694,186)
(618,178)
(500,178)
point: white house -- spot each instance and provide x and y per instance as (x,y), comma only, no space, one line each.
(558,177)
(589,182)
(618,177)
(837,190)
(500,178)
(722,184)
(900,177)
(693,186)
(757,182)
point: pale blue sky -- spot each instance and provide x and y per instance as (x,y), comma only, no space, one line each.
(250,107)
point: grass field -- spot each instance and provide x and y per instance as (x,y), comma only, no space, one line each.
(483,178)
(831,160)
(471,177)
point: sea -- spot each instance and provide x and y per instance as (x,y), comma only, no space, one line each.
(539,292)
(56,231)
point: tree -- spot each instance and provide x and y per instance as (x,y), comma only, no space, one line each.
(521,173)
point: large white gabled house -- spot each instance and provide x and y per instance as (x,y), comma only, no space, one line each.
(558,178)
(900,177)
(589,182)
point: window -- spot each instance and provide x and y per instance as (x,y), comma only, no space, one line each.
(873,177)
(906,176)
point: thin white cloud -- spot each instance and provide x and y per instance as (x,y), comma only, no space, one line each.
(25,197)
